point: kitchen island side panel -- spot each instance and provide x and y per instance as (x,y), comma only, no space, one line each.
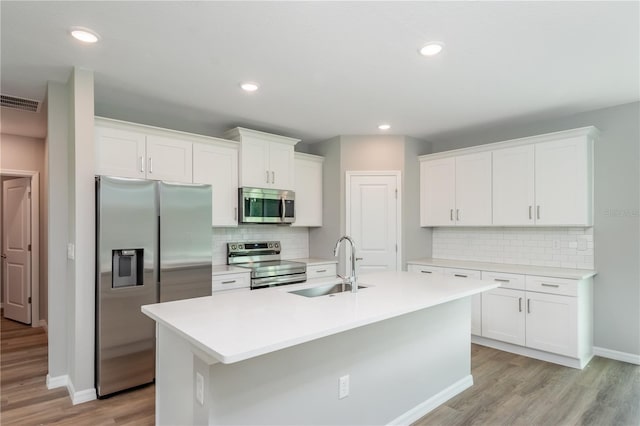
(393,366)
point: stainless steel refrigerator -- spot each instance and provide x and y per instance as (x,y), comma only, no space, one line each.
(153,244)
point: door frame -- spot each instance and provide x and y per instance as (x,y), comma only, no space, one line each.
(398,175)
(35,238)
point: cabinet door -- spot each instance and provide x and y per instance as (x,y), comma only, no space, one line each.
(254,161)
(552,323)
(473,189)
(281,165)
(119,153)
(476,299)
(513,186)
(218,166)
(308,189)
(437,192)
(169,159)
(563,182)
(503,316)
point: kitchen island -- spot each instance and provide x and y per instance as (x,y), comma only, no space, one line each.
(398,348)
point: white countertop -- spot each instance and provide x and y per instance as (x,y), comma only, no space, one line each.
(228,269)
(238,326)
(316,261)
(545,271)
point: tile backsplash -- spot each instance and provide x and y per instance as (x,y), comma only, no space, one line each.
(561,247)
(295,241)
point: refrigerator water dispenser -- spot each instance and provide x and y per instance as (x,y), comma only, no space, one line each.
(127,268)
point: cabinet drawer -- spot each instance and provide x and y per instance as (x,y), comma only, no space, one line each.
(462,273)
(514,281)
(425,269)
(319,271)
(561,286)
(230,281)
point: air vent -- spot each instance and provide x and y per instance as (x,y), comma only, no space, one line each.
(19,103)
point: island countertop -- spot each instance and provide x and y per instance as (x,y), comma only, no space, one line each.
(238,326)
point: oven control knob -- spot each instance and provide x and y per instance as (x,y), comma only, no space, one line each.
(270,245)
(233,247)
(240,247)
(277,245)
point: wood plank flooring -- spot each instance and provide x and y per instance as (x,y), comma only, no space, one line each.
(508,390)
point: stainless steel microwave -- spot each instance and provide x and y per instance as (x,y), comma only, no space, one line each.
(261,205)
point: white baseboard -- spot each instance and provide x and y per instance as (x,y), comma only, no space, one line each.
(79,397)
(617,355)
(434,402)
(43,324)
(57,381)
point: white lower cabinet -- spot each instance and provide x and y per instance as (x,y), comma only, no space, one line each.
(226,282)
(544,316)
(476,300)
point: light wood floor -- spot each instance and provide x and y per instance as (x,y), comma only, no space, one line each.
(509,389)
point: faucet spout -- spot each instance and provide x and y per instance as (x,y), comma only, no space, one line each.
(353,278)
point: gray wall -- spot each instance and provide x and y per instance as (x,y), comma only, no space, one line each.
(616,212)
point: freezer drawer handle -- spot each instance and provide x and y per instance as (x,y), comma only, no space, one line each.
(550,285)
(228,282)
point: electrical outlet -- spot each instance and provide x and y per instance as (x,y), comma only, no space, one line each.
(343,386)
(200,388)
(556,244)
(71,251)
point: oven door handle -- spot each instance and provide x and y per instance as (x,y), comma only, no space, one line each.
(283,279)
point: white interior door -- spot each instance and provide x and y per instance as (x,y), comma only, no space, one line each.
(373,220)
(16,255)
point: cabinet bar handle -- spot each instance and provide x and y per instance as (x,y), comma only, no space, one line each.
(538,212)
(426,272)
(519,304)
(273,177)
(141,164)
(150,165)
(451,214)
(459,275)
(528,306)
(235,213)
(457,214)
(321,270)
(228,282)
(550,285)
(267,176)
(500,280)
(530,214)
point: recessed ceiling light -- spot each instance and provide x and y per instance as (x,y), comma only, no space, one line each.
(384,126)
(432,48)
(249,86)
(84,34)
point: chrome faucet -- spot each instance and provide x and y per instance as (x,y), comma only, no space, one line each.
(352,279)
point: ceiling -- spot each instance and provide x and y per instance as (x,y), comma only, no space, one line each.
(329,68)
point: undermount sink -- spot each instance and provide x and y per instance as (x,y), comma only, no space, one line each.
(324,290)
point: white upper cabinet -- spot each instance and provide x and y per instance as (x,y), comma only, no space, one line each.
(456,191)
(544,180)
(120,152)
(308,189)
(169,159)
(217,165)
(136,151)
(266,160)
(473,189)
(546,184)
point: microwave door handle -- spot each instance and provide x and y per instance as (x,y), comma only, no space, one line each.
(282,208)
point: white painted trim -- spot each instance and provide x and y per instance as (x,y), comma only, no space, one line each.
(309,157)
(57,381)
(398,175)
(590,132)
(238,133)
(533,353)
(43,324)
(434,402)
(79,397)
(617,355)
(35,238)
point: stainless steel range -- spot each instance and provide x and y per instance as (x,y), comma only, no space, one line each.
(263,258)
